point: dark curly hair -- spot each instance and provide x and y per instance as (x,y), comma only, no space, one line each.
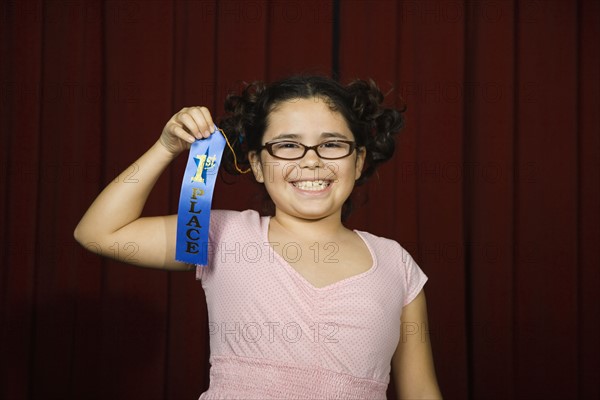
(359,102)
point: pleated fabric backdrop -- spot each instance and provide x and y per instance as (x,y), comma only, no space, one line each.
(495,187)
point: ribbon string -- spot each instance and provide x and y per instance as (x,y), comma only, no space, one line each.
(235,163)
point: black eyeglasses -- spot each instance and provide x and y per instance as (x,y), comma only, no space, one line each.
(330,150)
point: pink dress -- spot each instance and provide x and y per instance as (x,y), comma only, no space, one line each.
(275,336)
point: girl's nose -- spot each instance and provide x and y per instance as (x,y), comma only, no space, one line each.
(311,159)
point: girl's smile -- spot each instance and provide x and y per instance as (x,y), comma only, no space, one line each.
(312,186)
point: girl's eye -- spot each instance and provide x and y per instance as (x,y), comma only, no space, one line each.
(287,145)
(331,145)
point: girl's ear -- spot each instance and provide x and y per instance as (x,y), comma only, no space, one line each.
(256,166)
(361,153)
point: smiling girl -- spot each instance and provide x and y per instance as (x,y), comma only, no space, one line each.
(299,305)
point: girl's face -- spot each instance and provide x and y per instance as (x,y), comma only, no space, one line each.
(310,187)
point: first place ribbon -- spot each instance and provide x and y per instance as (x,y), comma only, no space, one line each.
(195,198)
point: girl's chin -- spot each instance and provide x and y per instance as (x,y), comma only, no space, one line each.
(312,214)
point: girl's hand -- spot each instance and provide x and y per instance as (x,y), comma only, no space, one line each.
(185,127)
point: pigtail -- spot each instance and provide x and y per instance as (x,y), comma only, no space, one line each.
(380,124)
(238,126)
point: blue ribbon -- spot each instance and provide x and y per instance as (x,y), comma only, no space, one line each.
(195,198)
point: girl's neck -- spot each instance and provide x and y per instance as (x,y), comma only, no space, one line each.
(323,228)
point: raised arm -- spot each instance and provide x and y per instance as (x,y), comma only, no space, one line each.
(412,363)
(114,220)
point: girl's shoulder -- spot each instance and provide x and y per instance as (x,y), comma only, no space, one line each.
(381,244)
(387,249)
(394,258)
(224,216)
(222,221)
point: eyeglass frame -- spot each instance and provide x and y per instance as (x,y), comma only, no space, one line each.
(269,147)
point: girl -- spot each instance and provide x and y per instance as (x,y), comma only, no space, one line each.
(299,305)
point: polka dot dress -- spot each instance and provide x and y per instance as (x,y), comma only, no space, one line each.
(274,335)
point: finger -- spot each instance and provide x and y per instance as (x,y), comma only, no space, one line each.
(181,133)
(208,118)
(203,119)
(189,123)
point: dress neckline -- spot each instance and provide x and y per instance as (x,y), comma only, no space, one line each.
(299,277)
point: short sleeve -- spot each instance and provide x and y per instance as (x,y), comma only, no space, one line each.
(415,278)
(227,227)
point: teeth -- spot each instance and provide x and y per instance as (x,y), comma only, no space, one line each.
(311,185)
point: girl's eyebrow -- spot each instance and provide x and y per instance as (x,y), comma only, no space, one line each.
(333,135)
(286,136)
(296,136)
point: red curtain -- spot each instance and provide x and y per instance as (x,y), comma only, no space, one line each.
(495,188)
